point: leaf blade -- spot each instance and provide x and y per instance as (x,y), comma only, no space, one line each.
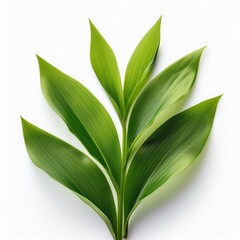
(141,63)
(166,89)
(105,66)
(71,168)
(162,157)
(84,115)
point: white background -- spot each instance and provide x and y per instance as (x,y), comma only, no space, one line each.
(203,203)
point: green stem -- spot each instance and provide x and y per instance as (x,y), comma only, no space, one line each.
(125,231)
(121,192)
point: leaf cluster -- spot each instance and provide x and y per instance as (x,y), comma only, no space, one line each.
(154,148)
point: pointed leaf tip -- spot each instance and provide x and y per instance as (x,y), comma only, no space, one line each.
(200,50)
(141,63)
(24,122)
(215,100)
(105,66)
(43,64)
(40,59)
(159,21)
(92,26)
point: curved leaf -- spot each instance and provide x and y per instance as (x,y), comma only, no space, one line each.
(71,168)
(84,115)
(170,149)
(105,66)
(167,88)
(140,64)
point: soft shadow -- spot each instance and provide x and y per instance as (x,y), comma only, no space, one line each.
(166,195)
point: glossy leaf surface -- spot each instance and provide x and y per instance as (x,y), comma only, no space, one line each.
(155,146)
(84,115)
(167,88)
(71,168)
(106,68)
(141,63)
(171,148)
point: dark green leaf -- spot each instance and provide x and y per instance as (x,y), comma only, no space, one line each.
(105,67)
(141,63)
(84,115)
(167,88)
(169,150)
(71,168)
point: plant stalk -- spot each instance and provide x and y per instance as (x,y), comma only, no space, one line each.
(121,192)
(125,230)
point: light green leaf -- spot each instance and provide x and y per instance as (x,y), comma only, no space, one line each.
(84,115)
(169,150)
(106,69)
(140,64)
(167,88)
(71,168)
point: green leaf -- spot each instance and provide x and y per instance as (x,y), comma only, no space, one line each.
(106,69)
(71,168)
(169,150)
(140,64)
(167,88)
(84,115)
